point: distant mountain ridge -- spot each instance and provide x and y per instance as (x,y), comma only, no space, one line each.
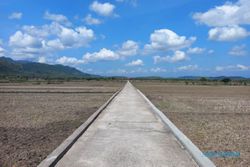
(10,67)
(213,78)
(192,78)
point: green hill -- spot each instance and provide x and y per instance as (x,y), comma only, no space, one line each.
(9,67)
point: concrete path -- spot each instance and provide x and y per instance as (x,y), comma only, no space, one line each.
(127,134)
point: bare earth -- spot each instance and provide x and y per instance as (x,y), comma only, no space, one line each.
(215,118)
(35,119)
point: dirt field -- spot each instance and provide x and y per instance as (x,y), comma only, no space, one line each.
(35,119)
(215,118)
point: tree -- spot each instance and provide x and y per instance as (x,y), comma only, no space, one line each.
(203,79)
(226,80)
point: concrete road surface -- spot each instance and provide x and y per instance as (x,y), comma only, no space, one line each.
(127,134)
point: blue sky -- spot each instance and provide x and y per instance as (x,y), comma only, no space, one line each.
(130,37)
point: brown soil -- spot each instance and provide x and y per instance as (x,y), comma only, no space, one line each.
(215,118)
(32,125)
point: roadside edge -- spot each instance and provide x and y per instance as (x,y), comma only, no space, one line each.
(195,152)
(55,156)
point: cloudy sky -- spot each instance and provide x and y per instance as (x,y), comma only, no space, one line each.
(167,38)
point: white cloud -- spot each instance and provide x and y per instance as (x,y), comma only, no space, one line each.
(34,41)
(91,20)
(229,14)
(68,37)
(2,51)
(137,62)
(226,20)
(238,67)
(103,9)
(177,57)
(230,33)
(20,39)
(103,54)
(69,61)
(55,44)
(238,50)
(165,39)
(242,67)
(188,68)
(129,48)
(59,18)
(78,37)
(16,15)
(220,68)
(26,52)
(42,31)
(158,69)
(158,59)
(42,59)
(195,50)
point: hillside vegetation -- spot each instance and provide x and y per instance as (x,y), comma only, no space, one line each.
(12,68)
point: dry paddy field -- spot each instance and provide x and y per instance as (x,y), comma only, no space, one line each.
(215,118)
(35,119)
